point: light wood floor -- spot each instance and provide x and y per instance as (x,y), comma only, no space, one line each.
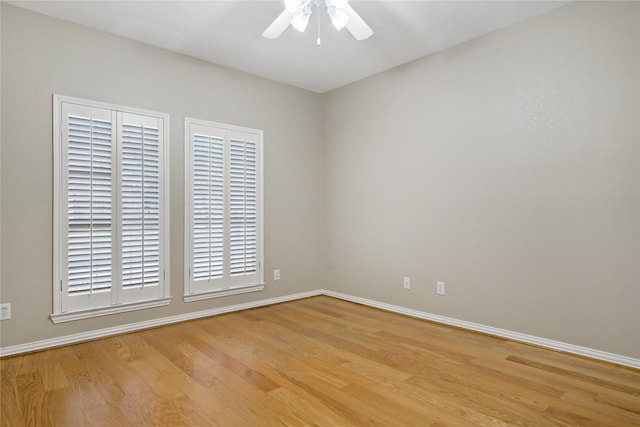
(318,361)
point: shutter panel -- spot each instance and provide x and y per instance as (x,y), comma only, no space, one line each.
(242,208)
(208,207)
(89,205)
(140,205)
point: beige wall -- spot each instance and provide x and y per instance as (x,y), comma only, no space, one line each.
(43,56)
(508,167)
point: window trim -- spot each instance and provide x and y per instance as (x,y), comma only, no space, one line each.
(58,316)
(189,295)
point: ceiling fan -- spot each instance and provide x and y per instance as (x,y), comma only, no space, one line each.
(297,13)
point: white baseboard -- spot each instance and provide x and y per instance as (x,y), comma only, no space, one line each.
(101,333)
(503,333)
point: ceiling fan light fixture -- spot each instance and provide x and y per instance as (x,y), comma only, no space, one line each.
(338,18)
(338,4)
(298,12)
(301,20)
(293,5)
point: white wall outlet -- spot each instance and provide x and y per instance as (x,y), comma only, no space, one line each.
(276,274)
(406,283)
(5,311)
(440,288)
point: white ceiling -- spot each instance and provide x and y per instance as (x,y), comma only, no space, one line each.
(229,33)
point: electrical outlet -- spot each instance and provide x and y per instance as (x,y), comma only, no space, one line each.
(406,283)
(276,274)
(440,288)
(5,311)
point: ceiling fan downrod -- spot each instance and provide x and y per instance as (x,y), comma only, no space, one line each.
(318,43)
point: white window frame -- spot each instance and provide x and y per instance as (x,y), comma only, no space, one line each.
(119,300)
(226,286)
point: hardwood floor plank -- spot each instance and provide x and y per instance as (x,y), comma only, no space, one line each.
(619,400)
(481,407)
(579,400)
(318,361)
(441,409)
(61,409)
(570,373)
(10,396)
(294,410)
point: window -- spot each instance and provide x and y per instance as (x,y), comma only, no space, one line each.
(110,205)
(223,222)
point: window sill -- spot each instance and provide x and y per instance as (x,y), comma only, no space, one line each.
(223,292)
(121,308)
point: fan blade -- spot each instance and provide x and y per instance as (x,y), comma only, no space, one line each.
(356,25)
(278,26)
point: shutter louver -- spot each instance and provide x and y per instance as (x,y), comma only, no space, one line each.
(242,208)
(89,206)
(140,206)
(208,207)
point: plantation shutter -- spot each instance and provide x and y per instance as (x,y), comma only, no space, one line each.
(110,219)
(242,208)
(223,209)
(140,206)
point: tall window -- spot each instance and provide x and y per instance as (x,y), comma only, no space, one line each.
(223,235)
(111,225)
